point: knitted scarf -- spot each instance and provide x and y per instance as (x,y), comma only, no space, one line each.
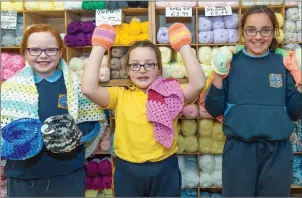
(19,99)
(165,102)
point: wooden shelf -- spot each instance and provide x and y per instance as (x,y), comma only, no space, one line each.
(47,13)
(298,153)
(101,153)
(135,11)
(293,186)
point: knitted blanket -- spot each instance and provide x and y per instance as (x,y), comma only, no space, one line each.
(19,99)
(165,102)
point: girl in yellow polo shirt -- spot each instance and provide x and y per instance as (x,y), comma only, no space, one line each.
(146,114)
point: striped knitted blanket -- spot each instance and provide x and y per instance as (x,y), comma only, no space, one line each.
(19,99)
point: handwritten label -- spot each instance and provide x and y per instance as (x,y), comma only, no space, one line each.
(112,17)
(178,12)
(218,11)
(8,19)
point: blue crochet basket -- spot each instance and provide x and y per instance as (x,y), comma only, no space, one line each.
(22,139)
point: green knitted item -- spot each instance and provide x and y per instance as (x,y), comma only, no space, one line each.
(93,5)
(281,52)
(99,5)
(87,5)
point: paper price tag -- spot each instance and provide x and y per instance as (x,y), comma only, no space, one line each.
(218,11)
(178,12)
(112,17)
(8,19)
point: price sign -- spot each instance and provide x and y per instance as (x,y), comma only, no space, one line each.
(8,19)
(218,11)
(112,17)
(178,12)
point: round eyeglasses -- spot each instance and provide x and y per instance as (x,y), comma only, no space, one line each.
(265,32)
(38,51)
(137,67)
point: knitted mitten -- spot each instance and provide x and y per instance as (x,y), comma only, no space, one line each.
(103,35)
(292,62)
(179,35)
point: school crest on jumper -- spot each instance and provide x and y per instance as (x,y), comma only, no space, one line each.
(275,80)
(62,101)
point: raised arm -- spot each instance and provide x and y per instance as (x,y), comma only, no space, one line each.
(180,39)
(102,39)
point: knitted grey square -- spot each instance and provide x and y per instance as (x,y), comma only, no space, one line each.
(61,134)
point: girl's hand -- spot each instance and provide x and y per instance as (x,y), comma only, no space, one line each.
(104,36)
(179,35)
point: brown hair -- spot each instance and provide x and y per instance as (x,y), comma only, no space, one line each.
(272,16)
(145,43)
(40,28)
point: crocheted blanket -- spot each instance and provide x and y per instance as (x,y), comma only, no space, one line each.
(19,99)
(165,102)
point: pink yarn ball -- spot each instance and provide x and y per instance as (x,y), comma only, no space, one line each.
(203,112)
(15,62)
(105,167)
(97,183)
(107,181)
(4,58)
(92,169)
(190,111)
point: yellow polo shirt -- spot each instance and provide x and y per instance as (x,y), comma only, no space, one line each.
(134,139)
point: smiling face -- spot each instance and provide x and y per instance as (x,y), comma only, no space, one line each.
(44,65)
(143,56)
(258,44)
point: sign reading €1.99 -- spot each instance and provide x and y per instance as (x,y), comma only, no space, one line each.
(9,19)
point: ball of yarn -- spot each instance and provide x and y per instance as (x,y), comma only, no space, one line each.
(111,5)
(97,183)
(291,46)
(105,167)
(231,22)
(299,38)
(15,62)
(74,27)
(289,26)
(4,56)
(89,181)
(204,55)
(190,111)
(162,35)
(167,70)
(204,24)
(88,37)
(122,4)
(31,5)
(70,40)
(218,23)
(280,19)
(92,169)
(220,36)
(290,37)
(292,14)
(166,54)
(206,37)
(81,39)
(280,37)
(87,26)
(72,5)
(233,35)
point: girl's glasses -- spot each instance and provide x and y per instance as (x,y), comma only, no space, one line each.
(38,51)
(265,32)
(137,67)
